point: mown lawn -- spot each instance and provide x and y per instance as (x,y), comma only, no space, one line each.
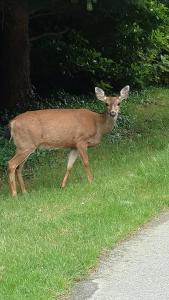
(51,238)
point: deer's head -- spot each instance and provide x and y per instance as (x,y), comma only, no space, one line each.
(112,103)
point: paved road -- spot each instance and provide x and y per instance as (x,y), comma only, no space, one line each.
(138,269)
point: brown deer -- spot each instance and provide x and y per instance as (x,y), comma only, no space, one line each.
(76,129)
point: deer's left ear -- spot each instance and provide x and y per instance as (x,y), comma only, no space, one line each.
(124,93)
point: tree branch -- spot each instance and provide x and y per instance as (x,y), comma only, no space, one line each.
(47,34)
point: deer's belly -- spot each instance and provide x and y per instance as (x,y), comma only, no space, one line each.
(57,143)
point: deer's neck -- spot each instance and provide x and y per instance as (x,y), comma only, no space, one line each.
(107,122)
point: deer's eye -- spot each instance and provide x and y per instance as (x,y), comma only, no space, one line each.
(118,104)
(107,104)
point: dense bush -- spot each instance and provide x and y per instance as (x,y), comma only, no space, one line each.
(110,50)
(71,63)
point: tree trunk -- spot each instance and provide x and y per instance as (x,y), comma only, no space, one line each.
(15,55)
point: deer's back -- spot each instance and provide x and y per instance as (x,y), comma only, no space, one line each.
(54,127)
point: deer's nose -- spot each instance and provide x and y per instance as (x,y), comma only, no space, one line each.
(113,113)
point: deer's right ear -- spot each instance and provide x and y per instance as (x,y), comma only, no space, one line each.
(100,95)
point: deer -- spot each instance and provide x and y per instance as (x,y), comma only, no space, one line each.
(76,129)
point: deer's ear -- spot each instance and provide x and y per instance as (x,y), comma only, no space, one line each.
(100,95)
(124,93)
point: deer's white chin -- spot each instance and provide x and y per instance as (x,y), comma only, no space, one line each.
(113,114)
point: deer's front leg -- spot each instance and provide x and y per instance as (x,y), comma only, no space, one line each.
(82,149)
(71,160)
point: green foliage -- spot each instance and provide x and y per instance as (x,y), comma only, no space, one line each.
(71,62)
(142,37)
(118,43)
(107,47)
(6,149)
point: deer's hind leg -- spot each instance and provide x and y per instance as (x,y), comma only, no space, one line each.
(19,175)
(14,164)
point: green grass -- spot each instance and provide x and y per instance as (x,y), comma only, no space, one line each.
(51,238)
